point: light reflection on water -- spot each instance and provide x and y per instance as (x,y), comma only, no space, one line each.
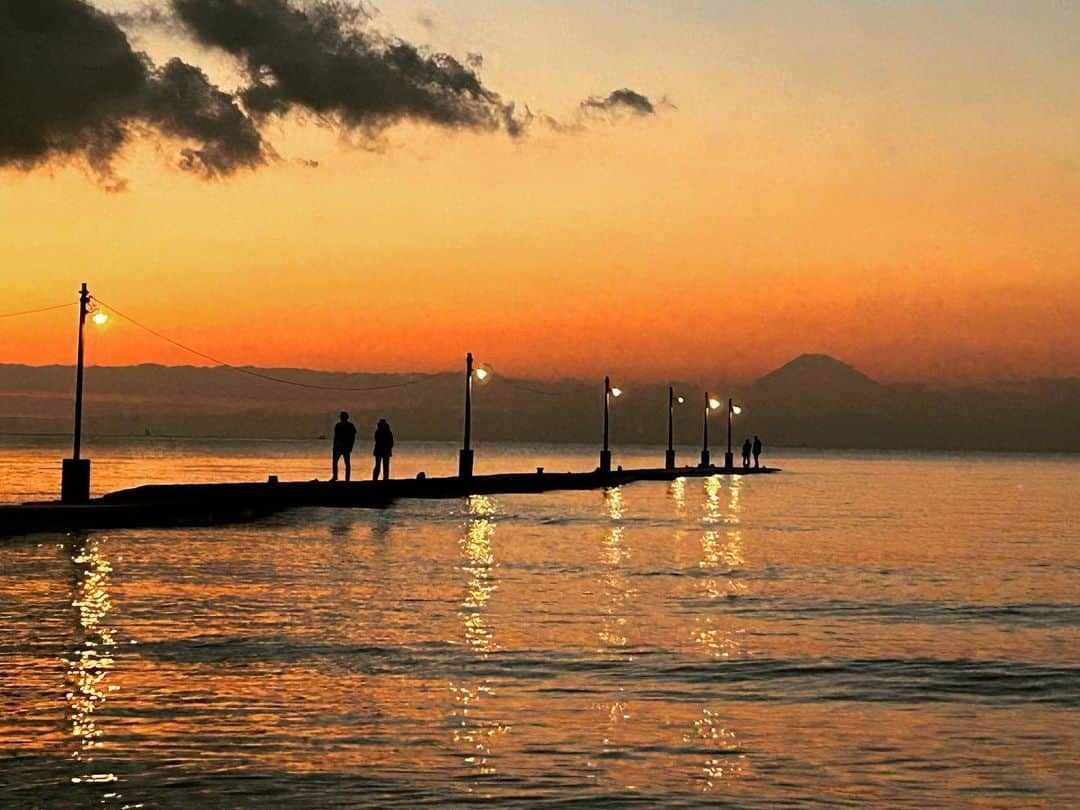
(721,561)
(617,605)
(718,633)
(90,663)
(474,731)
(677,491)
(617,591)
(847,631)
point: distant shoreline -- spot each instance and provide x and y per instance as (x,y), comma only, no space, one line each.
(812,402)
(659,447)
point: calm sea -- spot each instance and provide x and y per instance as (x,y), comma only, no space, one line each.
(890,630)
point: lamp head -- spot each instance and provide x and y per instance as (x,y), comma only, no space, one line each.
(680,400)
(482,374)
(616,392)
(100,318)
(714,403)
(736,409)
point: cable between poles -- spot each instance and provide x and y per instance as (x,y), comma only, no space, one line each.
(248,371)
(40,309)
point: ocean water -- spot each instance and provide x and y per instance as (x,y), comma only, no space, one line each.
(863,629)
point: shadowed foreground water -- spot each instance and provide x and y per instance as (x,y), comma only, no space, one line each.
(896,630)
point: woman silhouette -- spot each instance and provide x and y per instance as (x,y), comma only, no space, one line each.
(384,448)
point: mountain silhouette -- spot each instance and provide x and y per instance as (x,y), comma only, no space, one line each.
(816,399)
(812,401)
(817,372)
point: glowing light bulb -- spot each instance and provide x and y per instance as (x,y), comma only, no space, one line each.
(736,409)
(714,403)
(100,318)
(680,400)
(482,373)
(616,392)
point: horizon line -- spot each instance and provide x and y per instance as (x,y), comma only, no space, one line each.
(960,382)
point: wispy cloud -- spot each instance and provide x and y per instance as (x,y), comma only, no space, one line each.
(620,101)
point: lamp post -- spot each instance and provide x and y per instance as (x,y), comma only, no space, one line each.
(729,456)
(710,405)
(605,453)
(669,457)
(465,457)
(75,475)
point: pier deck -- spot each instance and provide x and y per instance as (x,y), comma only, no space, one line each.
(167,505)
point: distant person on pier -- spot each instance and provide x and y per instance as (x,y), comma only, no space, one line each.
(757,451)
(384,448)
(344,439)
(746,454)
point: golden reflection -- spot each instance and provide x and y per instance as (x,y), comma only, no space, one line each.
(718,643)
(617,595)
(721,550)
(677,491)
(613,499)
(479,566)
(617,713)
(712,499)
(735,486)
(616,586)
(472,732)
(724,758)
(617,590)
(722,558)
(91,661)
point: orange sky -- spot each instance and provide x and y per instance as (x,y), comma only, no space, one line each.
(898,191)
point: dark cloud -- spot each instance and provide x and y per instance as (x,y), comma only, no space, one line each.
(71,85)
(322,58)
(180,101)
(68,82)
(624,100)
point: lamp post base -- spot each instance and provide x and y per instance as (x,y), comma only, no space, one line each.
(465,463)
(605,461)
(729,461)
(669,460)
(705,458)
(75,481)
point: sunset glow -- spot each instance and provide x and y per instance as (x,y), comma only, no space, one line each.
(893,185)
(351,359)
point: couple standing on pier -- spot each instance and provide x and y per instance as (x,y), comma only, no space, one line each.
(345,438)
(747,449)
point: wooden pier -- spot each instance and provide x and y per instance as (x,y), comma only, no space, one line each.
(168,505)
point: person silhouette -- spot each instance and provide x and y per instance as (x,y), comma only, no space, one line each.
(746,454)
(384,448)
(757,450)
(344,438)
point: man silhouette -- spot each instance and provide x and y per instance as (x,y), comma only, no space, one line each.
(757,450)
(344,438)
(384,448)
(746,454)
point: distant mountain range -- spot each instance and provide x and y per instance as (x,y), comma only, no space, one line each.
(812,401)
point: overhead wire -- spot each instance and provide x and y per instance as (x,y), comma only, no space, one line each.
(252,372)
(249,371)
(40,309)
